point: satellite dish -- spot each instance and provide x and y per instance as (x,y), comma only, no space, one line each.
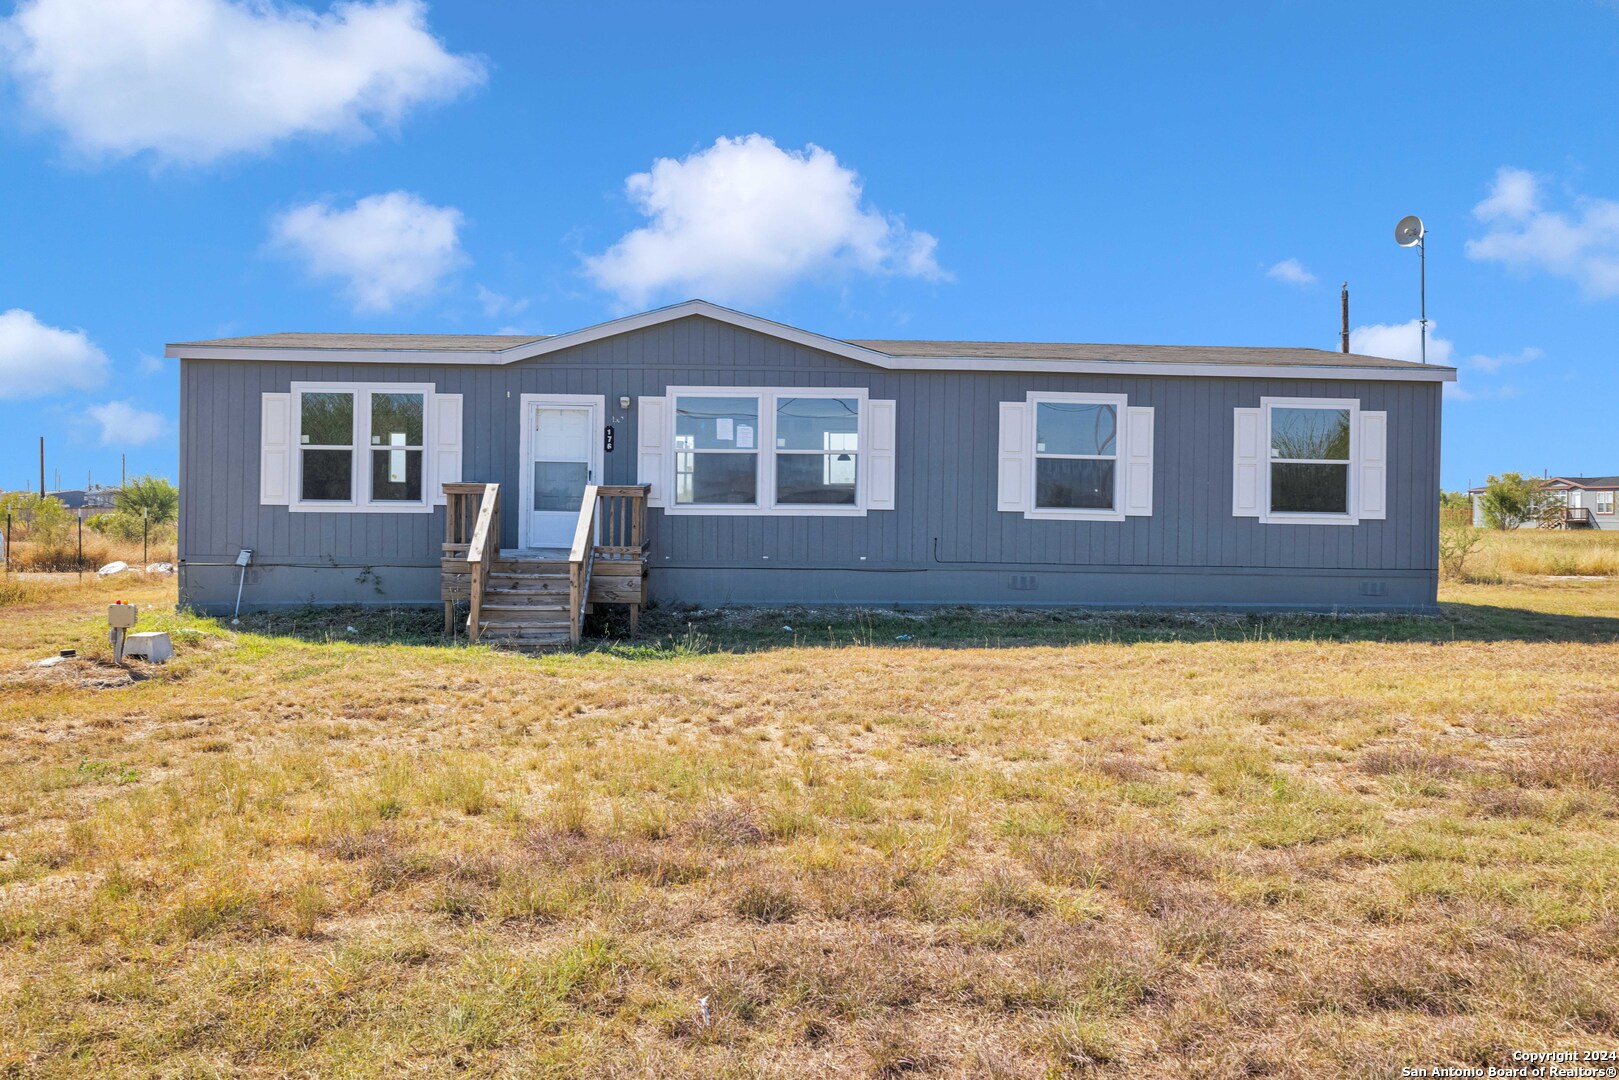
(1408,231)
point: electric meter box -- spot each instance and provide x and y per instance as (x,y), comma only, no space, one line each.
(121,616)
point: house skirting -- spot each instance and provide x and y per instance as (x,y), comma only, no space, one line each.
(211,587)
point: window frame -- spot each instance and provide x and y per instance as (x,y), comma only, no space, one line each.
(765,453)
(1121,417)
(1612,497)
(1351,514)
(360,500)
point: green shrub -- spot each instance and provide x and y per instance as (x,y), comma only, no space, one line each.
(35,518)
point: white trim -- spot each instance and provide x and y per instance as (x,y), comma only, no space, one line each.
(359,501)
(1121,436)
(765,454)
(1352,500)
(530,350)
(527,403)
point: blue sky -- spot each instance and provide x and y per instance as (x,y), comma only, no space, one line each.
(1119,171)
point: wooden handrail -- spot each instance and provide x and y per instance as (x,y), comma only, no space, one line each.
(581,559)
(481,549)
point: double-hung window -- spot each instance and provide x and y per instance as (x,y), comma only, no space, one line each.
(716,451)
(361,447)
(1309,459)
(1604,502)
(817,450)
(326,446)
(1076,454)
(787,450)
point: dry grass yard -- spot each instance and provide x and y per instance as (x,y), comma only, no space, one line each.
(1003,846)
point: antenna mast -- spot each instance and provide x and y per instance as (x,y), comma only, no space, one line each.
(1410,232)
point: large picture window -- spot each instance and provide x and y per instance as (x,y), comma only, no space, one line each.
(766,450)
(361,447)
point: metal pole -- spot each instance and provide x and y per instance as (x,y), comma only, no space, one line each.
(1344,296)
(42,466)
(1422,262)
(81,549)
(8,542)
(145,532)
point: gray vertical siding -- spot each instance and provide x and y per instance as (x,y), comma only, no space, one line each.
(945,470)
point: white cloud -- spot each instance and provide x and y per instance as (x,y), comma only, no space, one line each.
(1514,196)
(150,365)
(386,248)
(195,80)
(122,424)
(1581,244)
(1403,341)
(1291,271)
(495,304)
(1400,341)
(1493,364)
(36,360)
(743,219)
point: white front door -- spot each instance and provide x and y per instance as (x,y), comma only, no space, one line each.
(562,441)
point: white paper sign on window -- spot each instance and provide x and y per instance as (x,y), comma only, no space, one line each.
(722,429)
(744,436)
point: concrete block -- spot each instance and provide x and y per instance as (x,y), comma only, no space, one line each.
(154,645)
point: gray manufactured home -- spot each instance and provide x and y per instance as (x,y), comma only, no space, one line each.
(696,454)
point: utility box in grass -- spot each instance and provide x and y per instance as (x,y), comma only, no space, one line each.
(122,616)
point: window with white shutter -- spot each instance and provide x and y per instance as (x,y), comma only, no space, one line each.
(1309,461)
(1075,456)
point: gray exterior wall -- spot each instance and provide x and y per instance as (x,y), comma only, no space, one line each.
(945,542)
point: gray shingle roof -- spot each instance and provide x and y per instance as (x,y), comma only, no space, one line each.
(993,350)
(1591,481)
(405,342)
(1141,354)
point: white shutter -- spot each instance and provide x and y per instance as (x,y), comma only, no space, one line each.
(275,449)
(1016,445)
(446,443)
(1373,494)
(1138,461)
(650,421)
(1246,461)
(879,455)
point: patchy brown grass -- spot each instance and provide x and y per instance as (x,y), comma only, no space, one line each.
(1357,847)
(1532,552)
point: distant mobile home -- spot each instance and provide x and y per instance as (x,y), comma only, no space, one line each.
(756,463)
(1573,502)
